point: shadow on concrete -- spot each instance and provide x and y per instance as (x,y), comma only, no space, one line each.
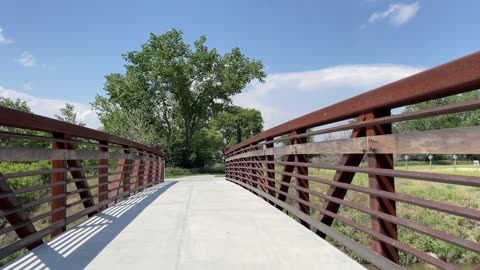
(77,247)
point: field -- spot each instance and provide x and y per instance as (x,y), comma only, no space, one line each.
(452,194)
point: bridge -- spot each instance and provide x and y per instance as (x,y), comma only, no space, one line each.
(104,201)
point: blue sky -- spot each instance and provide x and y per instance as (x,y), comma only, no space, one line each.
(315,53)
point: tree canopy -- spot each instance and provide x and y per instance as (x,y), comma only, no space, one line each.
(68,114)
(171,94)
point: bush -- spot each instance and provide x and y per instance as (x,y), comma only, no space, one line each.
(28,181)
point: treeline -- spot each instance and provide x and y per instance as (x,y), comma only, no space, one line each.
(178,98)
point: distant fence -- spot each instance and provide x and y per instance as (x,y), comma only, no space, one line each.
(40,203)
(266,163)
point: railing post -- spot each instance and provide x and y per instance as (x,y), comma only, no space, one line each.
(146,175)
(103,180)
(163,170)
(59,204)
(302,183)
(270,175)
(126,173)
(157,170)
(141,171)
(342,177)
(121,173)
(135,174)
(383,183)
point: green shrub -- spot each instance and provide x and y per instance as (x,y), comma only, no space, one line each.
(28,181)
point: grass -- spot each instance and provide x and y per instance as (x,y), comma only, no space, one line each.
(176,172)
(447,193)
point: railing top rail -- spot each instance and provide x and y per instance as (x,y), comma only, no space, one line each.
(458,76)
(18,119)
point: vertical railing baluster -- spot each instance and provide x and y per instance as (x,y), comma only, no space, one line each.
(383,183)
(126,172)
(59,177)
(141,171)
(146,175)
(270,175)
(300,182)
(103,178)
(135,174)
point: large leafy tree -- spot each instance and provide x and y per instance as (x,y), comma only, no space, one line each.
(177,89)
(225,124)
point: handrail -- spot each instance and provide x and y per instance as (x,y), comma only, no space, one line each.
(455,77)
(265,164)
(18,119)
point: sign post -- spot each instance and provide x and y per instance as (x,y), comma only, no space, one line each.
(430,157)
(406,161)
(455,161)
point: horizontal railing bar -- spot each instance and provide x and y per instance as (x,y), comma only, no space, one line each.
(434,205)
(50,171)
(6,134)
(70,205)
(30,204)
(419,254)
(349,243)
(30,154)
(444,141)
(31,221)
(422,176)
(429,112)
(19,119)
(467,244)
(17,191)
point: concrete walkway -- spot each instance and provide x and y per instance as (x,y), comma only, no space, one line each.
(197,222)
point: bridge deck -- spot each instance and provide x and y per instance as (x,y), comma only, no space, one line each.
(196,222)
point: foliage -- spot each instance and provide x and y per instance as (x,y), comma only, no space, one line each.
(175,91)
(28,181)
(225,123)
(172,172)
(68,114)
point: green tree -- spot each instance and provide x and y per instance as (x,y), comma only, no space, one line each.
(18,104)
(68,114)
(178,89)
(225,124)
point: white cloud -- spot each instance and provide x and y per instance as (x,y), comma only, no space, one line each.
(285,96)
(50,107)
(3,39)
(397,14)
(26,59)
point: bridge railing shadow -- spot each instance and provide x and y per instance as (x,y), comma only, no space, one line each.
(77,247)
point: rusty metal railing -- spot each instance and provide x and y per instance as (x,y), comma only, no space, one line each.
(266,163)
(54,174)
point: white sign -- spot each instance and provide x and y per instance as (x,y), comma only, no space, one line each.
(476,163)
(455,157)
(430,157)
(406,157)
